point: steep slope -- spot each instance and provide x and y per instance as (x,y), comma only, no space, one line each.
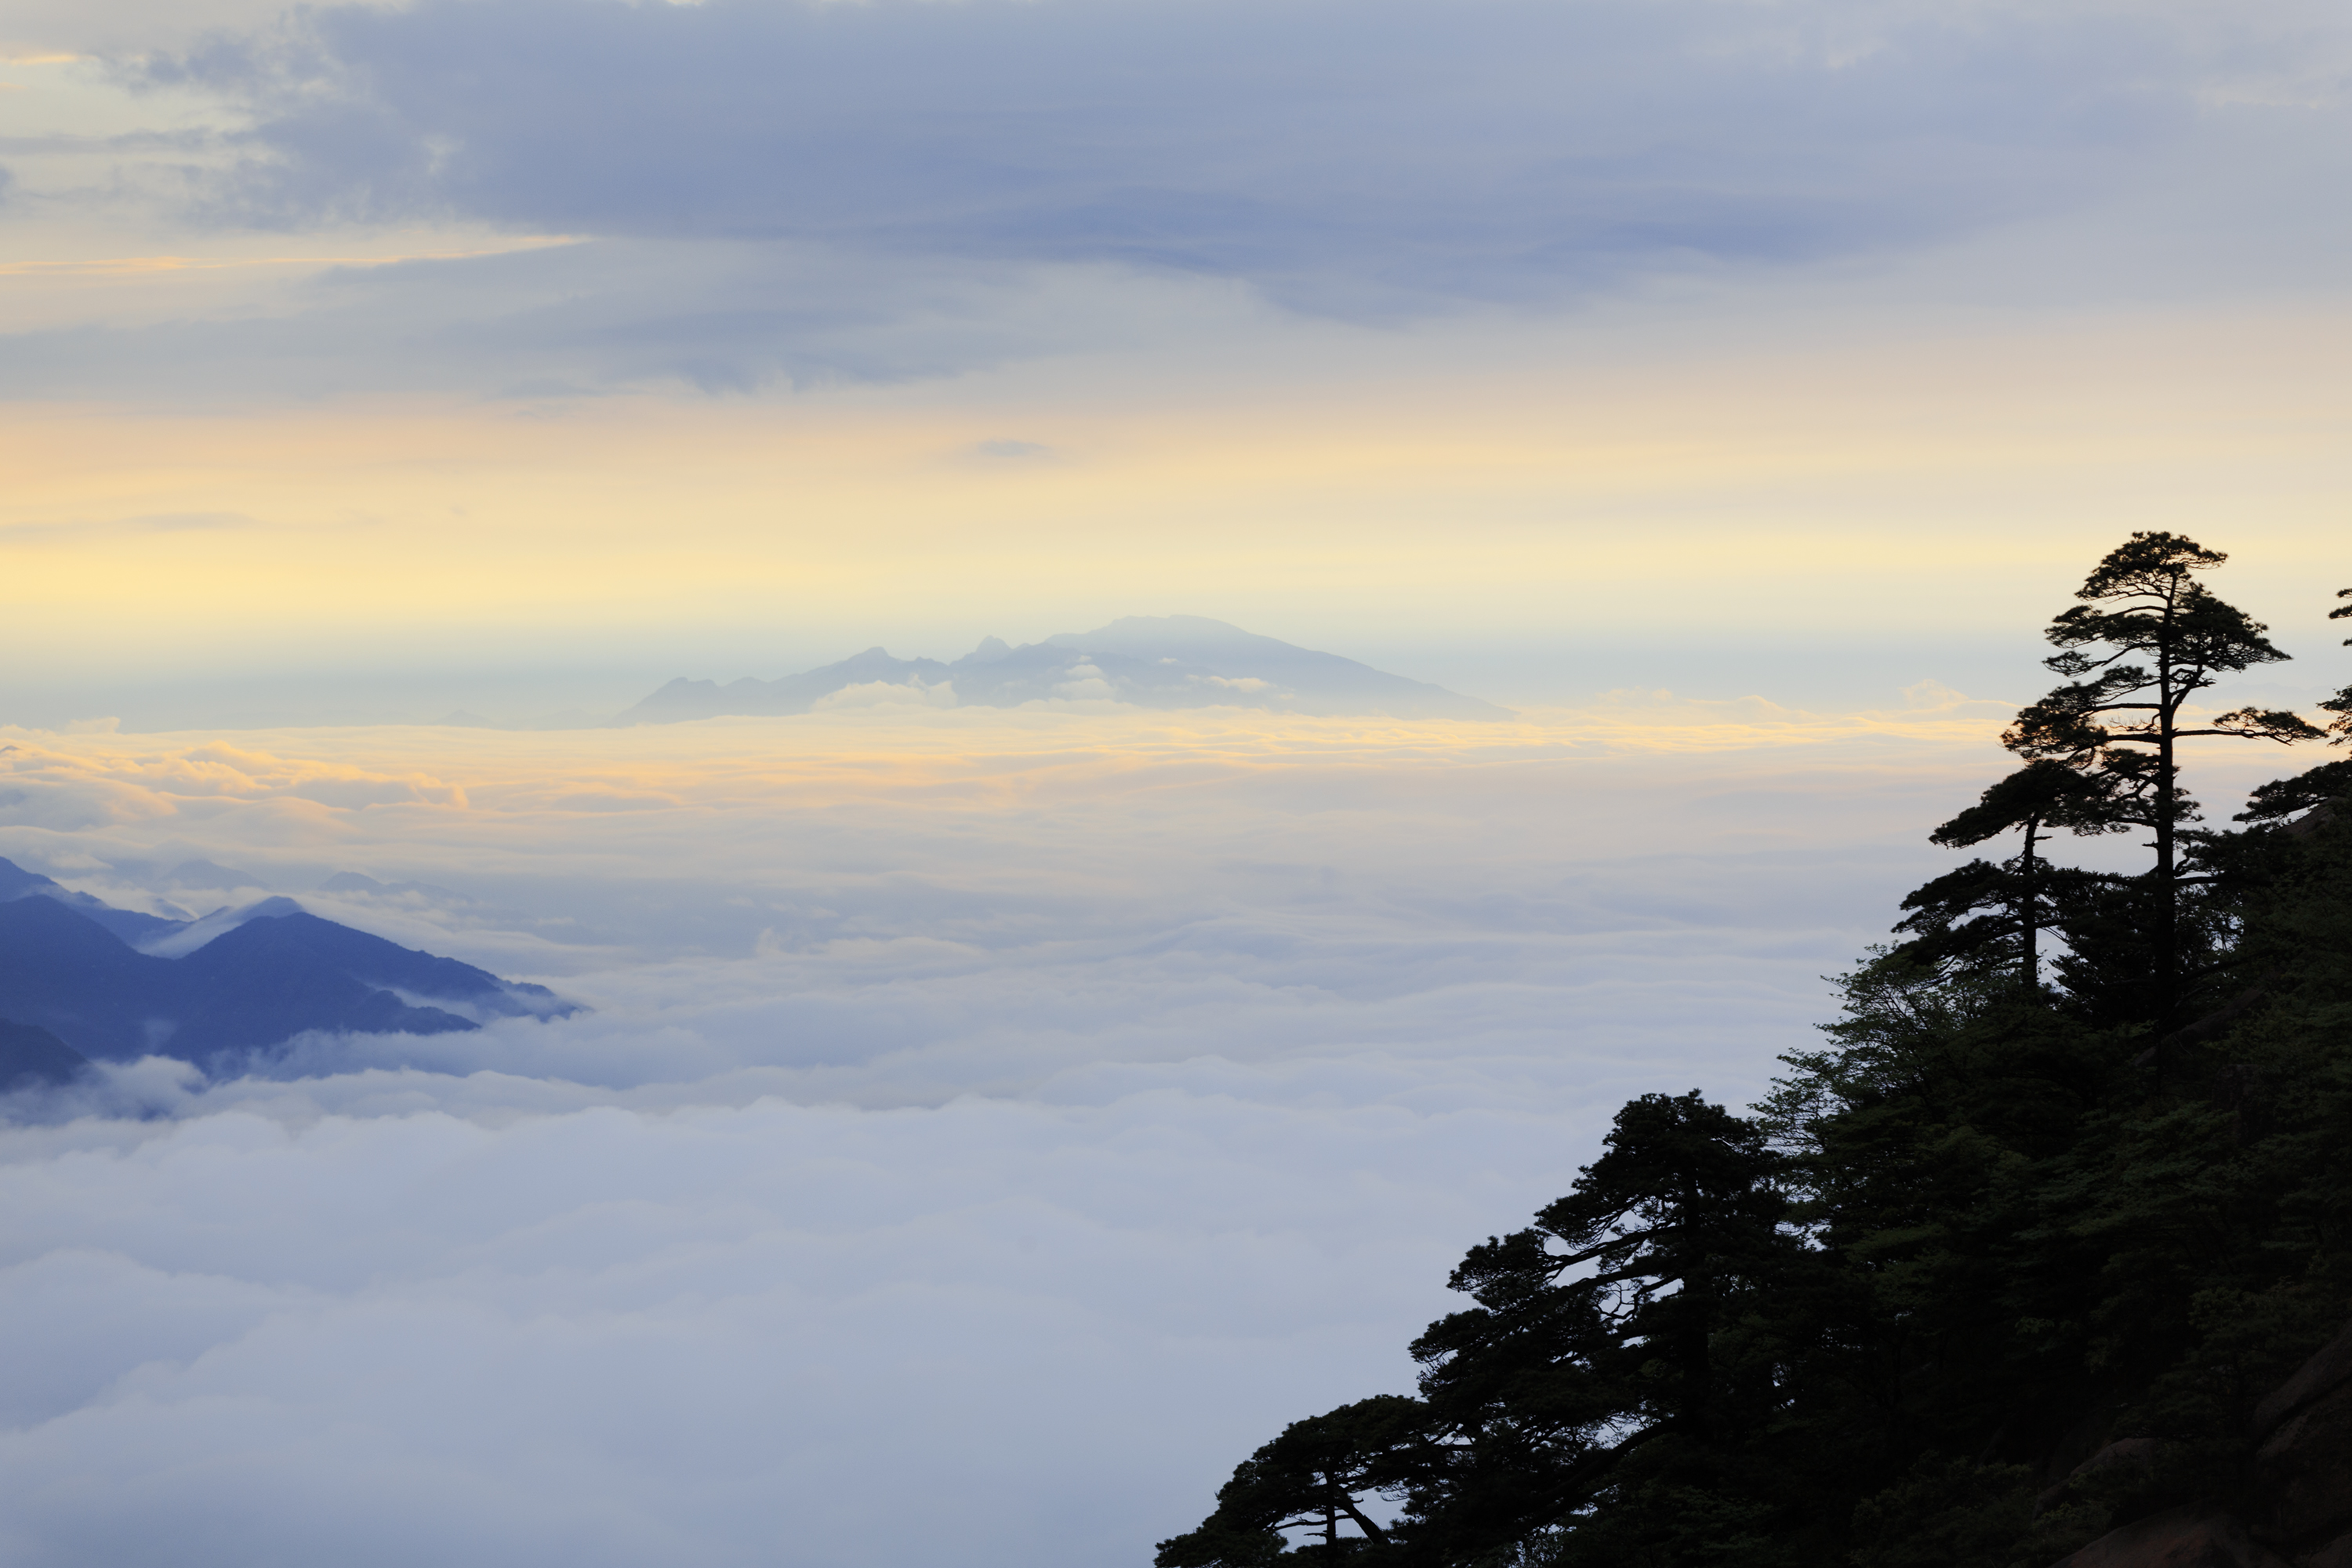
(1988,1282)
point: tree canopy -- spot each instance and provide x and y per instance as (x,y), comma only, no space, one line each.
(2125,721)
(1999,1221)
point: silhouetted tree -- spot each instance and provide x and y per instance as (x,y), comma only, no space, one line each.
(2124,722)
(1962,1248)
(2280,798)
(1598,1335)
(1317,1474)
(2341,703)
(1987,915)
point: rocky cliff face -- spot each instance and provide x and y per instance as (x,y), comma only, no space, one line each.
(2295,1507)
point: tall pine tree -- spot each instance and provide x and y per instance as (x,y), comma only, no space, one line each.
(2125,718)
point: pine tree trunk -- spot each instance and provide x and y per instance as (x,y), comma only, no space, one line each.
(2029,913)
(2167,794)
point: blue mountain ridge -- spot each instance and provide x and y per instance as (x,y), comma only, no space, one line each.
(16,882)
(1145,661)
(71,981)
(31,1056)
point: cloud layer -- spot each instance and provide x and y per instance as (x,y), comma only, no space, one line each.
(1503,148)
(768,192)
(991,1126)
(989,1130)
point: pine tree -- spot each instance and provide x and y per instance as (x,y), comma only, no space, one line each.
(1962,1249)
(2126,722)
(1319,1474)
(2280,798)
(1987,915)
(1612,1368)
(2341,703)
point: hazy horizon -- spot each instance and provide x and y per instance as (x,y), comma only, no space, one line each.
(988,1125)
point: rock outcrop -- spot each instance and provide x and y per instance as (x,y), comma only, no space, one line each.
(2297,1512)
(2303,1472)
(2185,1537)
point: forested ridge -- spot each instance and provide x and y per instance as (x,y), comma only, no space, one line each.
(2011,1261)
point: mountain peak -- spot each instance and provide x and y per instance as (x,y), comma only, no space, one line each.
(1158,662)
(236,983)
(990,650)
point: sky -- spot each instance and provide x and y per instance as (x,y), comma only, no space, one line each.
(551,348)
(987,1127)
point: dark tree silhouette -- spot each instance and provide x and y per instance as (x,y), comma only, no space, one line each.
(2274,802)
(1972,1291)
(2277,801)
(2126,721)
(2341,703)
(1594,1341)
(1317,1474)
(1987,913)
(1589,1366)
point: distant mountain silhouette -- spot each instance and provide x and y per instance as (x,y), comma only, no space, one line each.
(1146,661)
(212,991)
(16,882)
(31,1057)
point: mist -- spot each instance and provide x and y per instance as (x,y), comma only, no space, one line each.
(1022,1113)
(985,1126)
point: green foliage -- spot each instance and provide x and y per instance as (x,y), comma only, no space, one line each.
(1945,1513)
(2004,1262)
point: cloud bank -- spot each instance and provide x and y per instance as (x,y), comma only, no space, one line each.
(990,1128)
(770,191)
(1501,149)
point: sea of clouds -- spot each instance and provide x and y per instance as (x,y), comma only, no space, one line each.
(989,1128)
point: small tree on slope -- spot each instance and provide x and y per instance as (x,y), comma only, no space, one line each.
(1988,916)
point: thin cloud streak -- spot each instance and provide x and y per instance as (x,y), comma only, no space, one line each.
(135,265)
